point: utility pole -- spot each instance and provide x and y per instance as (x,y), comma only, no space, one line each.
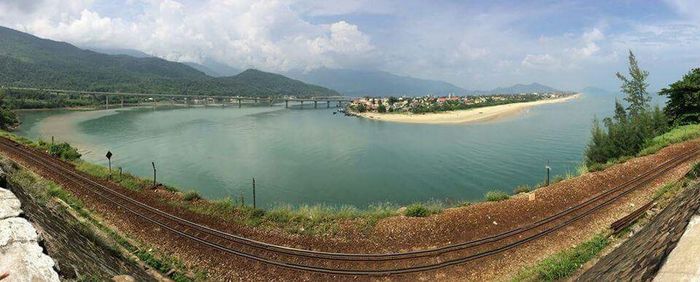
(253,192)
(154,174)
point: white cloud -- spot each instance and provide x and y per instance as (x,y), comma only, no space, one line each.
(263,34)
(544,61)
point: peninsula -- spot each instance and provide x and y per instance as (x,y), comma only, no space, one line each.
(451,109)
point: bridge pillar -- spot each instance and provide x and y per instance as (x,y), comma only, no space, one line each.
(256,100)
(122,101)
(302,104)
(107,102)
(286,103)
(315,104)
(239,102)
(328,104)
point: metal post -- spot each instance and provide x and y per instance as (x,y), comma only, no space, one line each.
(122,101)
(107,102)
(120,172)
(52,140)
(253,192)
(548,169)
(154,174)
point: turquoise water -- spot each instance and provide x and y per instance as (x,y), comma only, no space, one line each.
(312,156)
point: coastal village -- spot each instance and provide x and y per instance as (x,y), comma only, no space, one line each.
(429,103)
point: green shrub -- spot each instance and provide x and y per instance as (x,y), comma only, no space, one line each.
(62,150)
(522,189)
(495,196)
(191,196)
(417,210)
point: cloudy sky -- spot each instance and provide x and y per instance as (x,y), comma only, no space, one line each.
(473,44)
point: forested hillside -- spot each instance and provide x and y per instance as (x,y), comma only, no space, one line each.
(29,61)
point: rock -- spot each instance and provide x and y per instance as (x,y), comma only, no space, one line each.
(123,278)
(9,204)
(20,253)
(16,229)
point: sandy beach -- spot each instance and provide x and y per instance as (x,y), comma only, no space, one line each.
(464,116)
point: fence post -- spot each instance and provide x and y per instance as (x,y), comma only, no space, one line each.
(253,192)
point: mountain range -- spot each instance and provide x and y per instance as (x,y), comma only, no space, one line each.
(29,61)
(380,83)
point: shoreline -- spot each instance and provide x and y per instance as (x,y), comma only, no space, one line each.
(464,116)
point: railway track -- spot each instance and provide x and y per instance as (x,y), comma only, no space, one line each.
(316,261)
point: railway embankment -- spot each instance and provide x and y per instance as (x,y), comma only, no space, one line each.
(640,257)
(58,243)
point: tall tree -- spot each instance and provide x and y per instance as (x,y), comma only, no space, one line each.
(635,87)
(683,105)
(8,119)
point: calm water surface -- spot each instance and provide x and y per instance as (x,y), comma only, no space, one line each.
(312,156)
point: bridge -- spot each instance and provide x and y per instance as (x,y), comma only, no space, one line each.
(189,99)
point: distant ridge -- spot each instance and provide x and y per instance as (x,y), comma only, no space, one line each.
(519,88)
(29,61)
(375,83)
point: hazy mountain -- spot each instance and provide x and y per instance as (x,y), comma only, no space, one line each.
(522,88)
(597,91)
(120,51)
(374,83)
(29,61)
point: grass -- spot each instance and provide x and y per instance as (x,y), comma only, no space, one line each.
(676,135)
(191,196)
(126,179)
(565,263)
(496,196)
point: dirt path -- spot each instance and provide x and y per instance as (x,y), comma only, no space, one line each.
(402,233)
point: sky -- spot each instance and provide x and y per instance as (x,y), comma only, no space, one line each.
(472,44)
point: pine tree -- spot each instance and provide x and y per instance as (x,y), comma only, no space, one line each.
(635,87)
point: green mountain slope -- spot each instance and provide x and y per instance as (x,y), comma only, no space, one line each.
(29,61)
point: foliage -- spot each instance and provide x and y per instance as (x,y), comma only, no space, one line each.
(422,210)
(191,196)
(635,87)
(683,105)
(521,189)
(381,108)
(563,264)
(495,196)
(628,131)
(64,151)
(28,61)
(8,119)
